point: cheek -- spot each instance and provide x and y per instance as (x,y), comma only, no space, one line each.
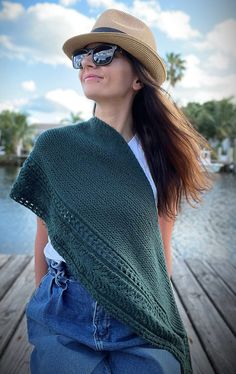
(124,80)
(126,74)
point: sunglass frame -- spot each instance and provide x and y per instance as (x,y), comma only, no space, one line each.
(77,63)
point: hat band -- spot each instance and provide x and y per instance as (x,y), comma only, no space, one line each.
(107,29)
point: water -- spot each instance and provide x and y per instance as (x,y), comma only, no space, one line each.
(210,229)
(206,231)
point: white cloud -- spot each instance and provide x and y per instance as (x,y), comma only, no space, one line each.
(29,86)
(71,100)
(11,11)
(218,61)
(108,4)
(12,50)
(45,117)
(68,2)
(201,96)
(196,77)
(175,24)
(199,85)
(50,26)
(220,39)
(12,105)
(51,107)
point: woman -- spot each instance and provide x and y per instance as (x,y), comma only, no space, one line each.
(106,193)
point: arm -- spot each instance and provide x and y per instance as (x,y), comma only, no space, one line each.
(41,239)
(166,227)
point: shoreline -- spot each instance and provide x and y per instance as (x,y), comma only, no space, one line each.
(12,160)
(19,160)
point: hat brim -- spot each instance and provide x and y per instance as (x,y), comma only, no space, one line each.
(144,53)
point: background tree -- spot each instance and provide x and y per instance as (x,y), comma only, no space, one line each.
(213,119)
(74,117)
(175,68)
(15,131)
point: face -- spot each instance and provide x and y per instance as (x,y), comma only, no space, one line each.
(114,81)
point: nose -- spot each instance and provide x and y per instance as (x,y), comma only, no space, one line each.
(87,60)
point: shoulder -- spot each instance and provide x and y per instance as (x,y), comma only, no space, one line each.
(55,136)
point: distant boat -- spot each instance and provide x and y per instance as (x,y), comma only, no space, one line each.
(212,167)
(2,150)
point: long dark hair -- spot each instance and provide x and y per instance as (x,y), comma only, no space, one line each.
(171,145)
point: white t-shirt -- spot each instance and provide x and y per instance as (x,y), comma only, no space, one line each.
(137,149)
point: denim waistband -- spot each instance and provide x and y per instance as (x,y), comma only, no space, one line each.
(59,270)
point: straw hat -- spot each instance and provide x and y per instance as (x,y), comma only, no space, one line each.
(128,32)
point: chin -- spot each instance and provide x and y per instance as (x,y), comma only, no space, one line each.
(92,95)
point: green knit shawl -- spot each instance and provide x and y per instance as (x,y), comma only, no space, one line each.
(85,182)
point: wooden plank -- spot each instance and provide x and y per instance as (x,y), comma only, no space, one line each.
(217,339)
(12,306)
(200,362)
(226,271)
(3,259)
(221,296)
(212,344)
(10,272)
(15,359)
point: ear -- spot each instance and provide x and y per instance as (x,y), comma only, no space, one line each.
(137,84)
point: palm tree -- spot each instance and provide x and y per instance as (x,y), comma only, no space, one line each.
(213,119)
(74,117)
(15,131)
(175,68)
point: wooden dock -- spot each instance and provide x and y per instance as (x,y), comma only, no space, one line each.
(205,293)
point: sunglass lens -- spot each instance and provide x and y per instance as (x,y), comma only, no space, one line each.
(78,57)
(103,55)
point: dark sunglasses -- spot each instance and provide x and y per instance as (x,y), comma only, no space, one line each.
(102,55)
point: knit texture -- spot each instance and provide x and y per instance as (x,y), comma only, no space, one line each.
(85,182)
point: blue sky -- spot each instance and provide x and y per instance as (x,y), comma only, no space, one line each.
(37,78)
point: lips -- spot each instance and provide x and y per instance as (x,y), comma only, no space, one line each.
(91,76)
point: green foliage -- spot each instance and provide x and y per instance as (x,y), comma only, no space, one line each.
(14,129)
(175,68)
(213,119)
(74,117)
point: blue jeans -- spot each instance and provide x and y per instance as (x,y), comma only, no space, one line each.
(73,334)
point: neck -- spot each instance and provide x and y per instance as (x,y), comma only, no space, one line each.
(119,119)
